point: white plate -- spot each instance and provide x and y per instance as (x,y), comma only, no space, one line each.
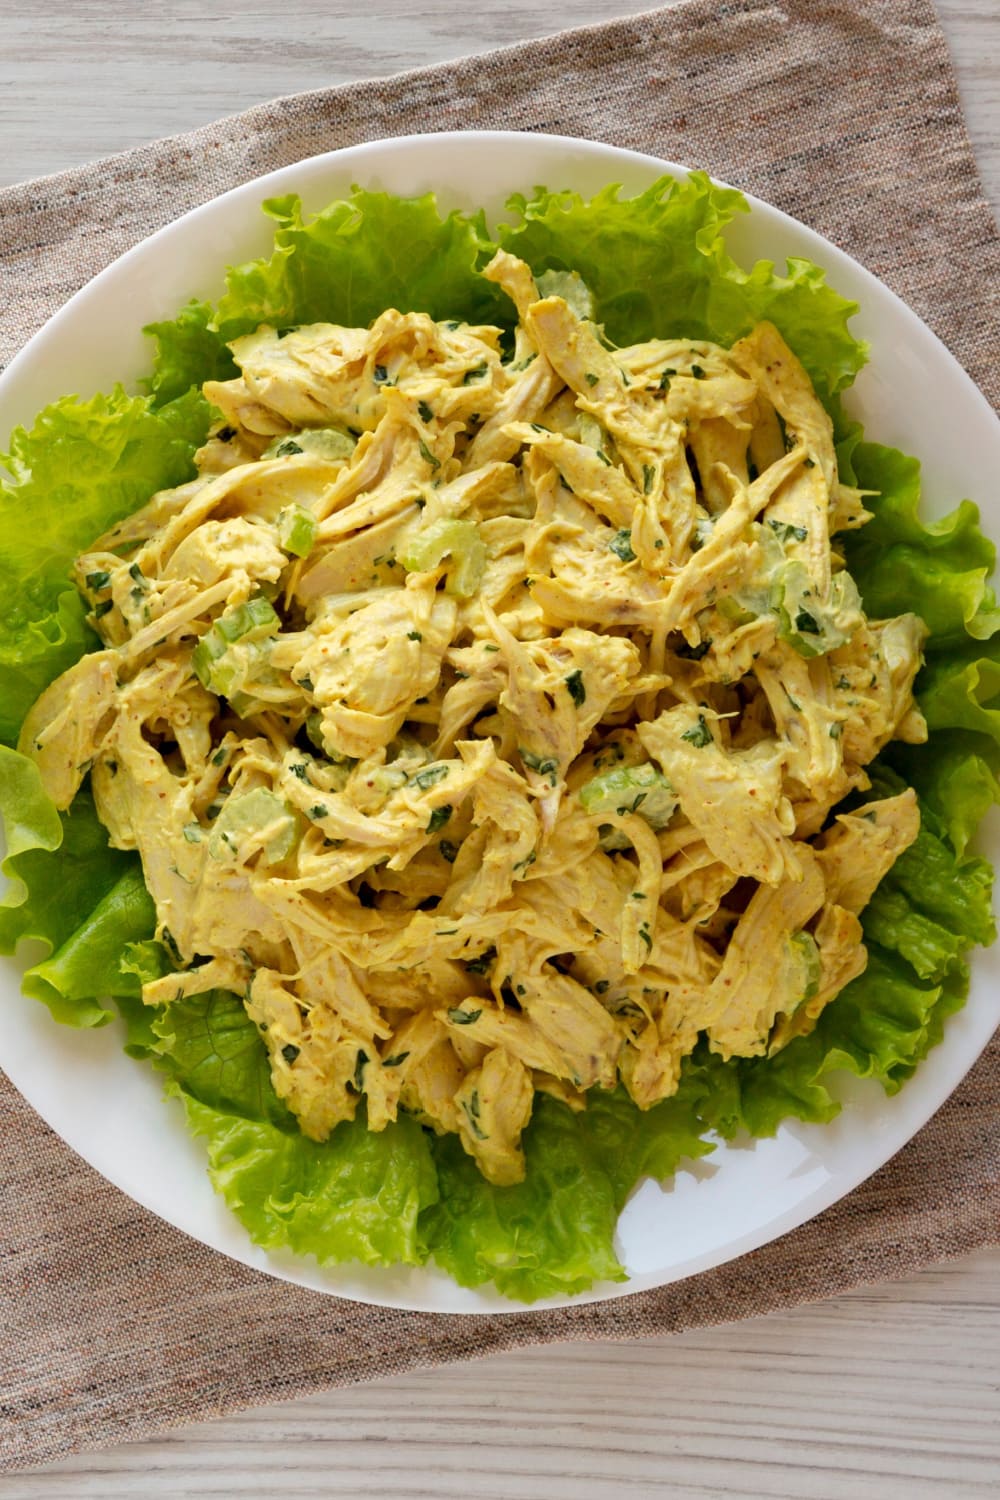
(913,394)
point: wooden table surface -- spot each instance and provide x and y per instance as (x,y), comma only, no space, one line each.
(891,1392)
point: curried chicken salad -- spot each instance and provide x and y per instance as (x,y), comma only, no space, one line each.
(476,718)
(507,730)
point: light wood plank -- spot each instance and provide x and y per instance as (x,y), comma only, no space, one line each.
(890,1392)
(77,81)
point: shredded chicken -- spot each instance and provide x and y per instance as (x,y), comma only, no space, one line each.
(478,717)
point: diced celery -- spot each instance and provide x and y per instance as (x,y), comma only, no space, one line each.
(731,609)
(249,624)
(591,431)
(804,947)
(322,442)
(243,704)
(257,812)
(204,656)
(458,540)
(631,789)
(812,626)
(314,730)
(296,530)
(389,778)
(253,620)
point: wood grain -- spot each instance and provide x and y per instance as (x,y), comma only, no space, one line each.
(81,80)
(892,1392)
(887,1394)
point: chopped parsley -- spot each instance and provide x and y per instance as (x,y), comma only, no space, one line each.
(621,545)
(577,691)
(699,734)
(785,531)
(471,1108)
(439,817)
(483,964)
(430,776)
(693,653)
(544,765)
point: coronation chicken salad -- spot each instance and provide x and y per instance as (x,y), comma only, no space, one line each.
(477,712)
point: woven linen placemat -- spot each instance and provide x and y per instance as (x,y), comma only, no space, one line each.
(843,112)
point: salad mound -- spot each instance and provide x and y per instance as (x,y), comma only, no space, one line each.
(497,1043)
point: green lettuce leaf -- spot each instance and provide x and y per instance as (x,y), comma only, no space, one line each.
(358,257)
(898,559)
(81,467)
(658,267)
(928,947)
(70,892)
(631,1144)
(212,1050)
(554,1233)
(959,692)
(954,779)
(189,351)
(551,1234)
(59,864)
(358,1196)
(31,824)
(87,966)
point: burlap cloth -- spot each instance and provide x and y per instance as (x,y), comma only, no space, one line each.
(846,115)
